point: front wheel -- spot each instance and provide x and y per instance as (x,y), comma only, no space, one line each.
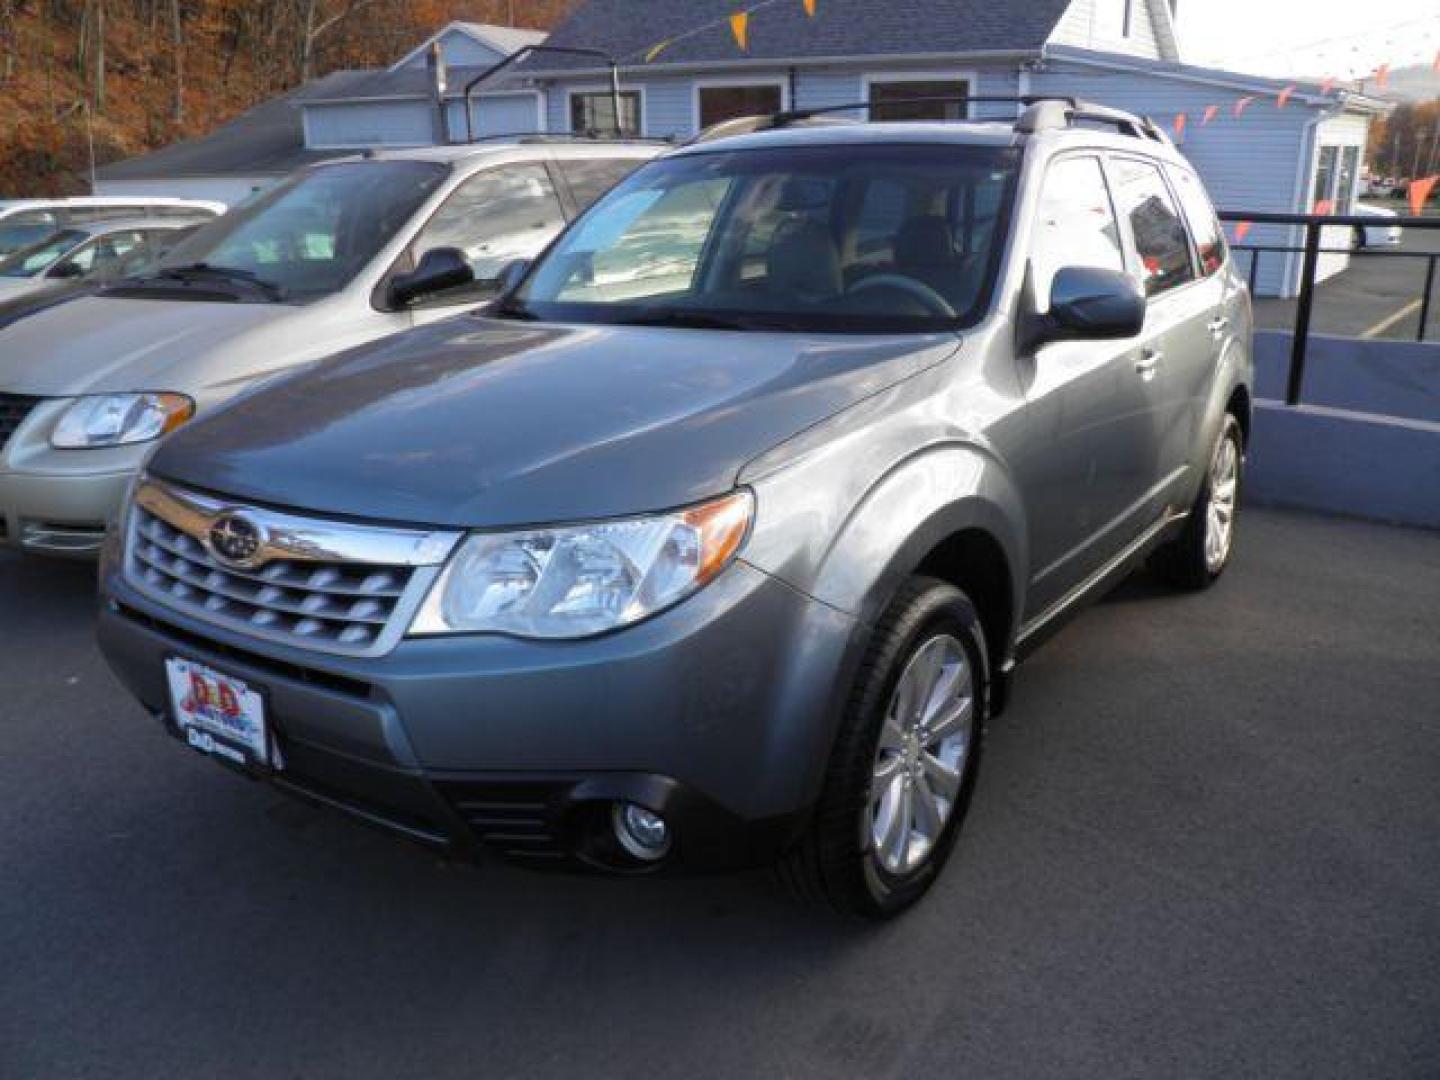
(1200,554)
(904,761)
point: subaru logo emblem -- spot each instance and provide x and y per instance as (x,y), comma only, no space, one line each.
(236,540)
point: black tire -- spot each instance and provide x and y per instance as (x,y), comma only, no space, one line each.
(1184,562)
(836,862)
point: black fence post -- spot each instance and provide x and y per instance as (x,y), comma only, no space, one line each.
(1425,299)
(1301,343)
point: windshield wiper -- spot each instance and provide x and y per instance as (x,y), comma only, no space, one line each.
(229,273)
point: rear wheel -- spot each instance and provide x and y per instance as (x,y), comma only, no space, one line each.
(904,761)
(1200,554)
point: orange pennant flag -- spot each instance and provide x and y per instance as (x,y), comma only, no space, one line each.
(1180,120)
(1328,84)
(1382,76)
(1420,193)
(1211,112)
(1284,97)
(1323,208)
(1242,230)
(809,7)
(1436,65)
(740,27)
(656,50)
(1242,105)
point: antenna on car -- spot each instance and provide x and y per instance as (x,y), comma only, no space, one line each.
(530,50)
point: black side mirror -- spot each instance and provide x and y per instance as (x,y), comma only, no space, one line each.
(1088,304)
(67,270)
(440,269)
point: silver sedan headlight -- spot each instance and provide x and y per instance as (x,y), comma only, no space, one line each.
(119,420)
(580,580)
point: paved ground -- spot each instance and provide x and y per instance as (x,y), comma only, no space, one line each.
(1206,843)
(1376,297)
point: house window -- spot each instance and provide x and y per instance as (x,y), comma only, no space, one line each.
(1349,174)
(905,99)
(1325,173)
(721,103)
(594,111)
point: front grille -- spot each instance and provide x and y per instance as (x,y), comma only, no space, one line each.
(14,408)
(311,602)
(316,583)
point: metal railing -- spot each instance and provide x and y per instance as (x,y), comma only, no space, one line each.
(1312,248)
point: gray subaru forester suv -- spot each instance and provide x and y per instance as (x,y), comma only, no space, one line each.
(716,539)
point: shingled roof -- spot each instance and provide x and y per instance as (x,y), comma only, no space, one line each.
(780,29)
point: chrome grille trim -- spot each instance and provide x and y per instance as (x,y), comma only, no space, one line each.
(318,584)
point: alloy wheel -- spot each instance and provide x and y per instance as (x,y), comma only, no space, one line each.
(920,761)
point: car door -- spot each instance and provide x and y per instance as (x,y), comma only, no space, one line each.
(501,214)
(1178,350)
(1221,299)
(1090,460)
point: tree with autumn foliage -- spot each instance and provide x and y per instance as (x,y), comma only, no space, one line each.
(127,76)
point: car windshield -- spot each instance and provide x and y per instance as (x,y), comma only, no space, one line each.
(27,262)
(311,234)
(832,238)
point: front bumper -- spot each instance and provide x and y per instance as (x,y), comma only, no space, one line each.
(61,514)
(718,715)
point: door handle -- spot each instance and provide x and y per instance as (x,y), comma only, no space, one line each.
(1218,326)
(1148,362)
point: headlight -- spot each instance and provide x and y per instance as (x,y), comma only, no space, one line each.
(585,579)
(120,419)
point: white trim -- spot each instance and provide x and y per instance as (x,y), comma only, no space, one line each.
(604,88)
(969,76)
(721,81)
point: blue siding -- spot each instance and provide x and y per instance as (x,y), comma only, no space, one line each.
(355,125)
(509,114)
(461,50)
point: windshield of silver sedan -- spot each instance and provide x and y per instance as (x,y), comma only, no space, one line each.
(826,238)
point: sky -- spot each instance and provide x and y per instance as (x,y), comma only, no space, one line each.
(1344,38)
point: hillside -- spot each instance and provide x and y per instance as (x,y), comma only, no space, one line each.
(138,74)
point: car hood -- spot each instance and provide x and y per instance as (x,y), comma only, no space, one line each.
(11,287)
(102,344)
(479,422)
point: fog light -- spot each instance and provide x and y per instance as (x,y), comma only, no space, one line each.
(643,833)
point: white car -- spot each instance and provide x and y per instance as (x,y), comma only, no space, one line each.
(1381,234)
(337,255)
(26,221)
(102,252)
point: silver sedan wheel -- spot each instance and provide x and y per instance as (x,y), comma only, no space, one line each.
(1224,495)
(920,761)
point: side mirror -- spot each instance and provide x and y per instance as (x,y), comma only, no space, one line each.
(67,270)
(1089,304)
(440,269)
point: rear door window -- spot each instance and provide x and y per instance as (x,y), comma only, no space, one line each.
(1162,244)
(1204,225)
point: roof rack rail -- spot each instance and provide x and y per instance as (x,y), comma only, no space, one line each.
(565,137)
(1058,115)
(1043,112)
(790,116)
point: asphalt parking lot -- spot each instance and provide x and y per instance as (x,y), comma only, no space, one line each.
(1206,842)
(1375,297)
